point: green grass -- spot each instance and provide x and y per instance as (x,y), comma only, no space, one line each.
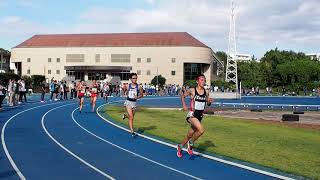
(289,149)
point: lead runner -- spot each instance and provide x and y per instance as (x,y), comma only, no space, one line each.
(199,99)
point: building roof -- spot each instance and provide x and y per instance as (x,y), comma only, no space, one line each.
(112,40)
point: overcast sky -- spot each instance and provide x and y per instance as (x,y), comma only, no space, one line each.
(261,25)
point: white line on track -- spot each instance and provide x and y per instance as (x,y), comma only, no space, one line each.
(128,151)
(198,153)
(13,164)
(67,150)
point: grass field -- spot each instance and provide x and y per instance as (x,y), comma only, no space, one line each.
(289,149)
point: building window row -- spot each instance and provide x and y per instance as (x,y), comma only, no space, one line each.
(173,72)
(120,58)
(57,71)
(173,60)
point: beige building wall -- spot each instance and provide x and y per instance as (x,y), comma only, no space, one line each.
(161,59)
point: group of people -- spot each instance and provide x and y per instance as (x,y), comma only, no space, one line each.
(199,99)
(132,91)
(15,92)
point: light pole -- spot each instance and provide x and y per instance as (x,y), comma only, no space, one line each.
(157,86)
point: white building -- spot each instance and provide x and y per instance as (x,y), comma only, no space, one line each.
(314,56)
(177,56)
(244,57)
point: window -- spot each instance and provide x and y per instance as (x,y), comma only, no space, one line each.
(57,71)
(173,73)
(173,60)
(29,60)
(75,58)
(49,59)
(58,60)
(148,72)
(139,60)
(148,60)
(97,58)
(49,71)
(138,72)
(191,70)
(28,71)
(121,58)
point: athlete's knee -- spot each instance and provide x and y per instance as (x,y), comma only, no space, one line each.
(130,117)
(201,131)
(189,135)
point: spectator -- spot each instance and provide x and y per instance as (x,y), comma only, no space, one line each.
(2,94)
(43,91)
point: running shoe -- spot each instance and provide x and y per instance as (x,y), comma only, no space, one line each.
(189,149)
(133,134)
(123,116)
(179,151)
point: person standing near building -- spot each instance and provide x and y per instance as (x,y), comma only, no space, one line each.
(52,89)
(23,90)
(101,84)
(71,89)
(66,90)
(2,94)
(199,99)
(43,91)
(106,89)
(133,94)
(16,91)
(10,92)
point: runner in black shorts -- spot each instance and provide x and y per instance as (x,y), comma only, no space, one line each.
(199,99)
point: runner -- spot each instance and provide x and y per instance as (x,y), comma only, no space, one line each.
(199,98)
(94,93)
(81,89)
(134,92)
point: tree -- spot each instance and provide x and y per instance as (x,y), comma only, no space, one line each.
(6,76)
(191,83)
(37,79)
(161,81)
(223,57)
(27,80)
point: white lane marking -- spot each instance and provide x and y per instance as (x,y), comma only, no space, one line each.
(128,151)
(13,164)
(198,153)
(67,150)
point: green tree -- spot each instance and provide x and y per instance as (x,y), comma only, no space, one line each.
(27,80)
(37,79)
(161,81)
(6,76)
(191,83)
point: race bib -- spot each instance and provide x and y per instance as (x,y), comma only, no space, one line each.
(94,90)
(83,91)
(132,94)
(199,105)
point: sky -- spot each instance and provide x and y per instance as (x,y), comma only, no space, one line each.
(260,25)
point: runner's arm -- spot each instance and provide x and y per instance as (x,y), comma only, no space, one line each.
(186,93)
(140,93)
(209,100)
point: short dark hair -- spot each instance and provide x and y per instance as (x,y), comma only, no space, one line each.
(199,75)
(132,74)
